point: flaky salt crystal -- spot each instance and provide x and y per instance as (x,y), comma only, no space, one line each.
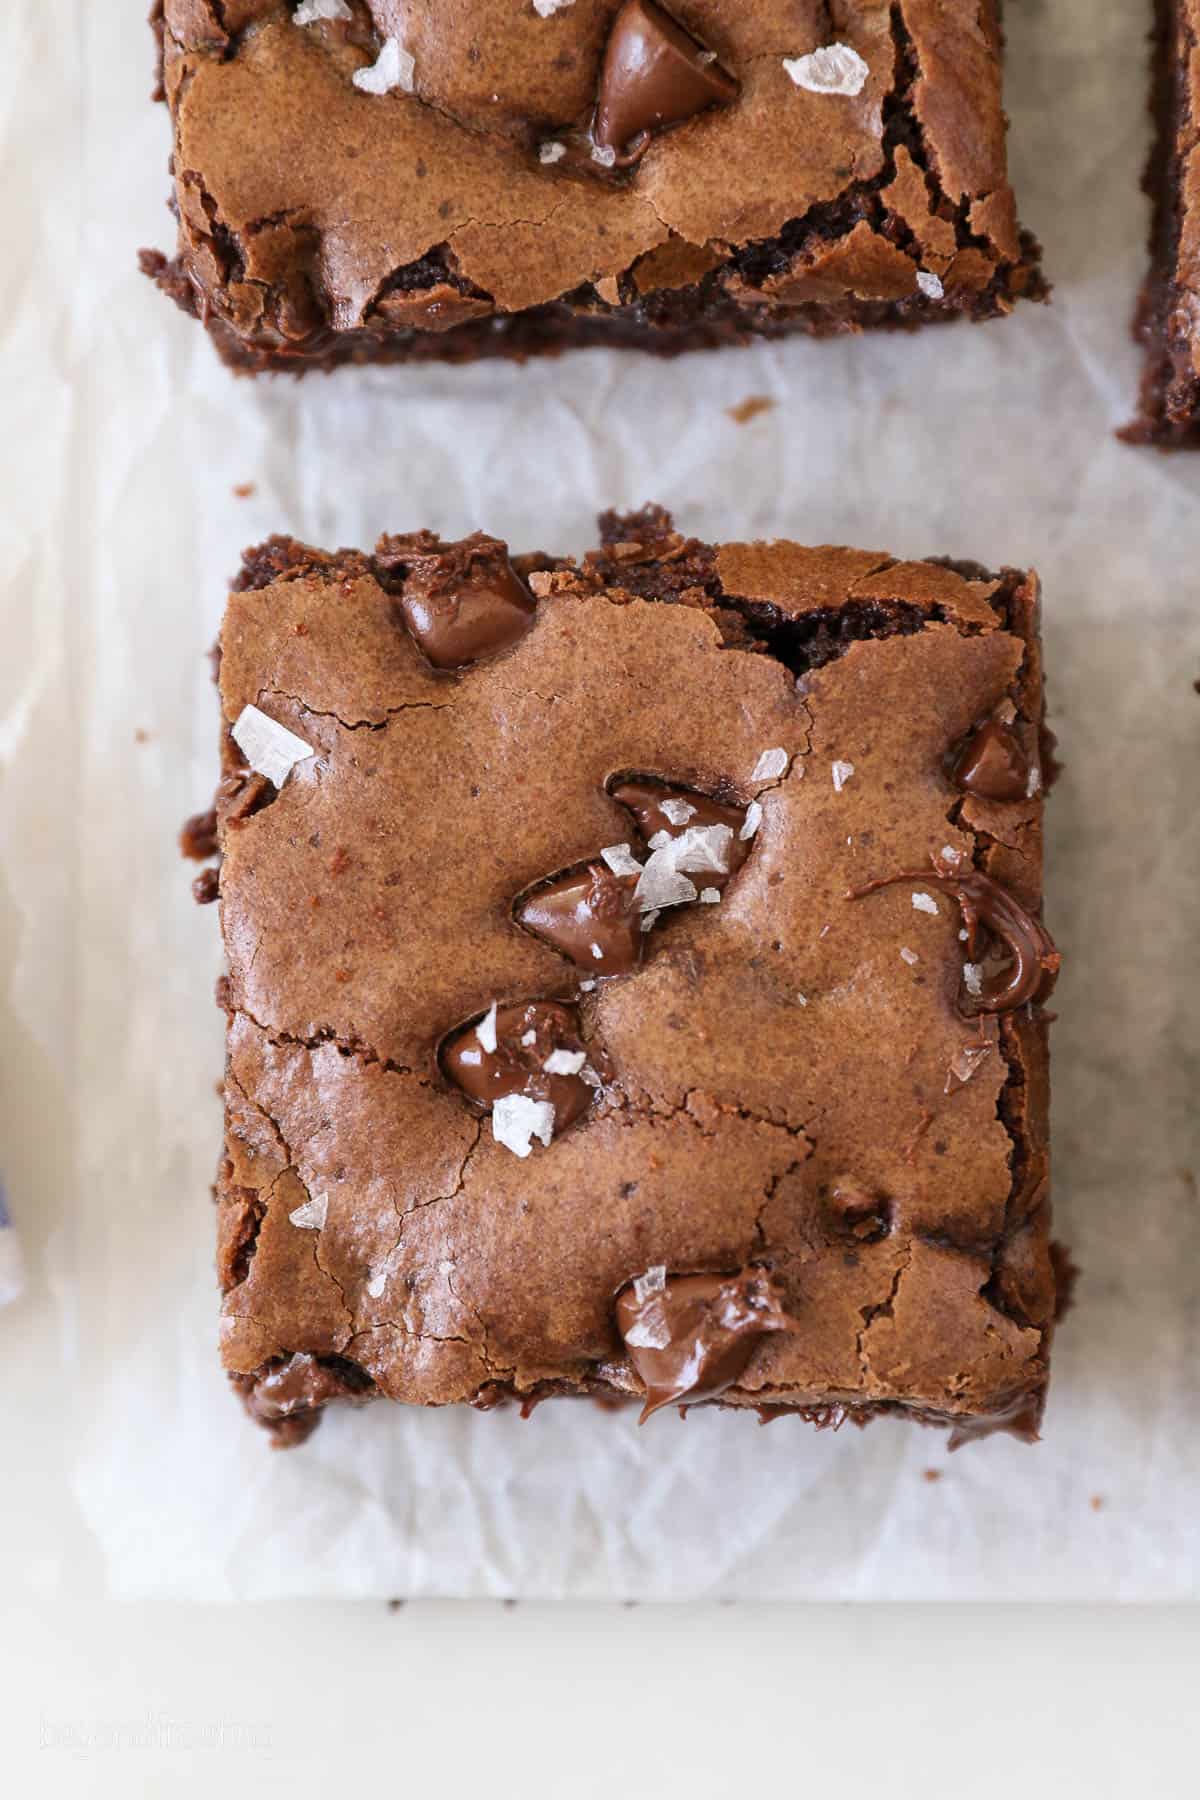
(312,1215)
(471,1057)
(930,285)
(909,956)
(379,1279)
(528,1037)
(649,920)
(841,771)
(751,822)
(973,976)
(552,152)
(710,896)
(517,1120)
(834,69)
(485,1031)
(660,840)
(770,765)
(394,68)
(678,812)
(564,1062)
(950,855)
(1034,782)
(588,1074)
(603,155)
(311,12)
(546,9)
(597,951)
(966,1063)
(585,987)
(924,903)
(269,747)
(654,1281)
(801,999)
(702,848)
(661,884)
(621,860)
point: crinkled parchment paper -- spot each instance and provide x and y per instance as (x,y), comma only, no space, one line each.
(126,1462)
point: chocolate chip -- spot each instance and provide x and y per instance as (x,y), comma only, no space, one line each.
(655,74)
(590,916)
(526,1038)
(993,764)
(463,602)
(656,807)
(198,838)
(692,1336)
(1031,961)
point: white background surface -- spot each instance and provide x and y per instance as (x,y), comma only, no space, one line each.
(123,1468)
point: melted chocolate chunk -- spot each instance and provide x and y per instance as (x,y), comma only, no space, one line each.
(652,804)
(527,1038)
(655,74)
(590,916)
(462,602)
(692,1336)
(1032,964)
(993,764)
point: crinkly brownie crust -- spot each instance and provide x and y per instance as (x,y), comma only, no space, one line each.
(833,169)
(487,1138)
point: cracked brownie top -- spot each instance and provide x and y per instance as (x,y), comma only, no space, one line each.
(377,168)
(635,978)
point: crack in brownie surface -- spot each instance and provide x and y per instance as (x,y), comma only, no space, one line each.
(478,207)
(781,1088)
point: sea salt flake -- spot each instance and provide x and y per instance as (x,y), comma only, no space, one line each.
(841,771)
(471,1057)
(950,855)
(603,155)
(704,848)
(654,1281)
(528,1037)
(710,896)
(485,1031)
(446,1269)
(660,840)
(964,936)
(588,1075)
(546,9)
(909,956)
(585,987)
(394,68)
(751,822)
(517,1120)
(311,12)
(649,920)
(770,765)
(973,976)
(564,1062)
(924,903)
(650,1332)
(621,860)
(312,1215)
(802,999)
(597,951)
(552,152)
(661,883)
(269,747)
(965,1063)
(834,69)
(1034,782)
(678,812)
(930,285)
(380,1277)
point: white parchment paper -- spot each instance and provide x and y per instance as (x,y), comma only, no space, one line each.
(126,1463)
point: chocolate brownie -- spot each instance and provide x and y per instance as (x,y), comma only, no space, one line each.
(376,180)
(635,980)
(1168,317)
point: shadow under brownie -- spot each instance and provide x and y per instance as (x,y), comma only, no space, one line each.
(635,980)
(360,180)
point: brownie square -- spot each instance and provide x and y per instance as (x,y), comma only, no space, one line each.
(1168,318)
(386,180)
(635,980)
